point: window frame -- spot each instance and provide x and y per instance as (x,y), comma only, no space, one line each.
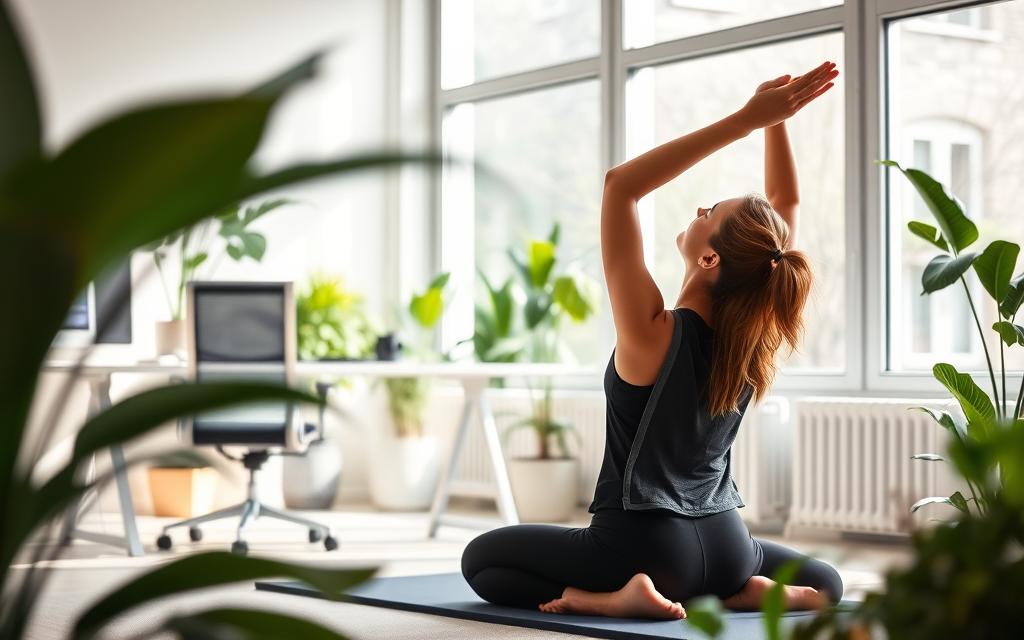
(863,24)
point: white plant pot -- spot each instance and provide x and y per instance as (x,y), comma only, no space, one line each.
(544,490)
(404,472)
(170,338)
(310,481)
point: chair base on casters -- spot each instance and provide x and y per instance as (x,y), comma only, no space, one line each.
(249,511)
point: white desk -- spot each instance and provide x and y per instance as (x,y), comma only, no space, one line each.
(474,378)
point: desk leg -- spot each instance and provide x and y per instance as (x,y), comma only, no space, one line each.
(506,503)
(475,397)
(99,400)
(444,484)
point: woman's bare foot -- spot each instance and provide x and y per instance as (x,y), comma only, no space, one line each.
(749,598)
(637,599)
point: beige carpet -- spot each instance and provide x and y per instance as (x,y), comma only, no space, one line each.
(396,542)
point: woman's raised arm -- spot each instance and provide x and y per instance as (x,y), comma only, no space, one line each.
(636,302)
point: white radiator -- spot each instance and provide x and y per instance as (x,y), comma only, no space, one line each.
(760,457)
(852,470)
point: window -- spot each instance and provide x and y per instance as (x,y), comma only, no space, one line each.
(483,39)
(661,105)
(649,22)
(954,111)
(544,145)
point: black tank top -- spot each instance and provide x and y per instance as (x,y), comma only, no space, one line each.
(662,449)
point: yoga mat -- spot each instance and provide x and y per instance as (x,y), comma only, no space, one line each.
(448,594)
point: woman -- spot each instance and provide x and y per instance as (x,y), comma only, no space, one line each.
(665,526)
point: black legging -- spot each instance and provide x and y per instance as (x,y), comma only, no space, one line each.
(528,564)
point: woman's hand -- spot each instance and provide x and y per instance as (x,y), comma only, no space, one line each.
(778,99)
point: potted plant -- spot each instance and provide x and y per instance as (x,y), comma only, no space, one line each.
(181,484)
(332,323)
(545,486)
(192,247)
(405,472)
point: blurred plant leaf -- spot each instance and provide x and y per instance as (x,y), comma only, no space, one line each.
(773,605)
(537,305)
(20,122)
(568,296)
(995,268)
(931,457)
(952,423)
(944,270)
(1010,333)
(440,281)
(427,307)
(210,569)
(956,227)
(246,624)
(927,501)
(975,403)
(707,614)
(1014,297)
(556,232)
(929,233)
(542,260)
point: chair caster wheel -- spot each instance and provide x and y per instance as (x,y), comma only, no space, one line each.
(315,535)
(163,542)
(195,534)
(241,547)
(330,543)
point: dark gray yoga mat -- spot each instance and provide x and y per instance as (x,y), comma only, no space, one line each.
(448,594)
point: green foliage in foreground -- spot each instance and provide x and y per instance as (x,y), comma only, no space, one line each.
(65,217)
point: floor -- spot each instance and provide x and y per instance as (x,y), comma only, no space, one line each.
(396,542)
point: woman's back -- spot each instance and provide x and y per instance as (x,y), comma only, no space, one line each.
(662,449)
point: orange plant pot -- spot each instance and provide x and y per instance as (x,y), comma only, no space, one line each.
(182,493)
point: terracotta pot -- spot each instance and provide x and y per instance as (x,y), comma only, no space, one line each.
(170,338)
(545,490)
(404,472)
(182,493)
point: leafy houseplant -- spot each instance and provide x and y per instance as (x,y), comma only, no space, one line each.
(193,247)
(332,323)
(994,267)
(64,218)
(407,468)
(551,297)
(181,484)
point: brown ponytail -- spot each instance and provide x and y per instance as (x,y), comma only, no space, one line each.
(758,302)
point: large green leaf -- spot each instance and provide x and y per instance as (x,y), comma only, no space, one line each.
(929,233)
(246,624)
(427,308)
(956,227)
(1014,297)
(1010,333)
(537,305)
(707,614)
(140,413)
(568,296)
(923,502)
(208,570)
(977,406)
(38,284)
(945,269)
(774,603)
(995,268)
(20,125)
(542,260)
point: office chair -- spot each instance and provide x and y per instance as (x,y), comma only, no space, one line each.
(246,331)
